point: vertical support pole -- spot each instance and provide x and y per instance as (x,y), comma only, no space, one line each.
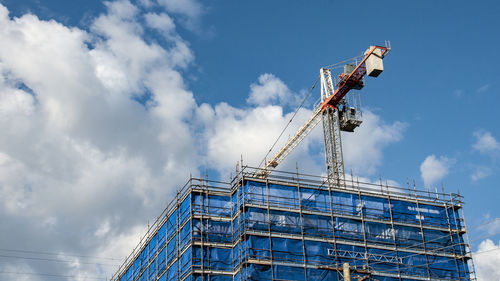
(301,221)
(452,239)
(177,232)
(363,225)
(334,236)
(393,232)
(269,228)
(422,231)
(468,251)
(347,272)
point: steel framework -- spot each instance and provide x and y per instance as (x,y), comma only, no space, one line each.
(291,226)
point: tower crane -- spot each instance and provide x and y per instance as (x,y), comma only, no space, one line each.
(335,112)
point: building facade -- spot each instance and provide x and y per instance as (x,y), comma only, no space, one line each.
(290,226)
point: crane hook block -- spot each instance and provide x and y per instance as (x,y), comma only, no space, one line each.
(374,64)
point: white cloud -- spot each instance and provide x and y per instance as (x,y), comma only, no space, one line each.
(486,261)
(434,169)
(480,173)
(191,10)
(485,142)
(483,88)
(79,157)
(269,90)
(162,22)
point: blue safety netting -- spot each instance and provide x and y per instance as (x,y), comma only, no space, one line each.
(212,231)
(185,262)
(172,224)
(345,203)
(185,210)
(304,218)
(213,258)
(211,277)
(172,249)
(185,235)
(173,271)
(214,205)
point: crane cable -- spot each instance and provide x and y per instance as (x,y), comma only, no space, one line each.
(290,121)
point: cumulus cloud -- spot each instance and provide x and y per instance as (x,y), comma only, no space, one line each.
(190,10)
(486,261)
(483,88)
(480,173)
(253,130)
(485,142)
(162,22)
(269,90)
(81,161)
(434,169)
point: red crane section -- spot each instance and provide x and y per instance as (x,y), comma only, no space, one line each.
(348,81)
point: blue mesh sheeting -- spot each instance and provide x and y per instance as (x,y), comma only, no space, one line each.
(346,203)
(289,273)
(211,204)
(185,235)
(255,192)
(162,259)
(185,209)
(212,277)
(152,247)
(438,240)
(348,229)
(285,222)
(256,219)
(137,268)
(185,262)
(172,224)
(236,255)
(152,270)
(162,233)
(172,249)
(212,231)
(379,233)
(374,207)
(144,258)
(129,274)
(173,271)
(304,225)
(288,250)
(213,258)
(258,272)
(283,196)
(322,274)
(317,226)
(257,248)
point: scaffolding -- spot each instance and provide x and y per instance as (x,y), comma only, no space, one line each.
(291,226)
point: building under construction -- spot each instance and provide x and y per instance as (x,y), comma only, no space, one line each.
(271,225)
(291,226)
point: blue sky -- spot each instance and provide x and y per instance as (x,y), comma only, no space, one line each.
(435,103)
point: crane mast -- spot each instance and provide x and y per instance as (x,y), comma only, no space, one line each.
(331,131)
(336,115)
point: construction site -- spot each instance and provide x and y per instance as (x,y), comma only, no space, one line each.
(267,224)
